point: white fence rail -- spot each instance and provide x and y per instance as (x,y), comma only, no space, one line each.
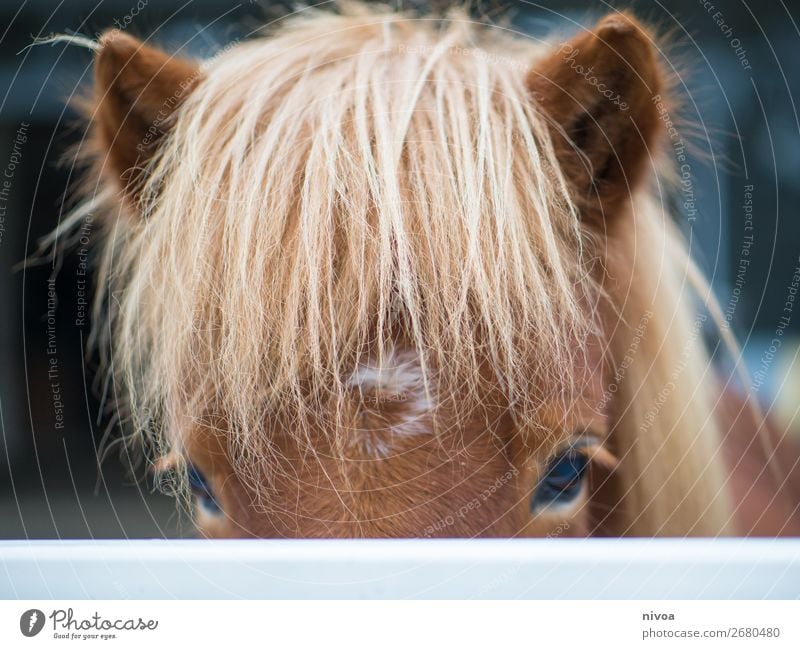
(391,569)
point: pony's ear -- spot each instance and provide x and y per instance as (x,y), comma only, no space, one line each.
(599,93)
(136,90)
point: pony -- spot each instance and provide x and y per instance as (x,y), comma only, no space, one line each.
(382,275)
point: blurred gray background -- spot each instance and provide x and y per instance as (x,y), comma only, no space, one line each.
(740,77)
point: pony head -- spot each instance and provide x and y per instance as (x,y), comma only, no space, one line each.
(375,275)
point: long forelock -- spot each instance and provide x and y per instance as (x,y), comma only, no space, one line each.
(350,185)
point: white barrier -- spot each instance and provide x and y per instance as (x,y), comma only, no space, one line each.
(401,569)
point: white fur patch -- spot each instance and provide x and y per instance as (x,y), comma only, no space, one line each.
(398,383)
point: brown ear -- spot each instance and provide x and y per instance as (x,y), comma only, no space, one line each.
(137,88)
(597,91)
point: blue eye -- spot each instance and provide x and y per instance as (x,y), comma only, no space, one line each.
(562,482)
(202,490)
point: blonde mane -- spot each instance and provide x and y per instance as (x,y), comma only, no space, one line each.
(360,182)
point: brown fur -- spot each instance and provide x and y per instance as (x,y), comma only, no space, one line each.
(604,143)
(137,88)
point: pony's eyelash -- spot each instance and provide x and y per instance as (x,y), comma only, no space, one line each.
(592,447)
